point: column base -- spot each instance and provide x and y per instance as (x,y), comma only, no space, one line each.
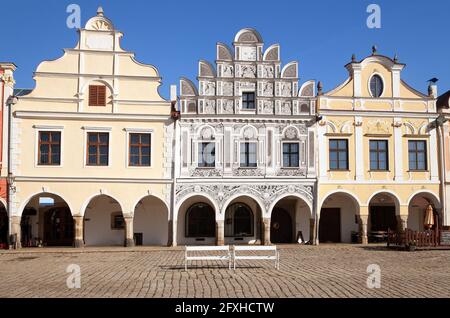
(78,243)
(363,240)
(129,243)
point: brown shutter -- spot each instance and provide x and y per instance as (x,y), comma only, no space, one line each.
(97,95)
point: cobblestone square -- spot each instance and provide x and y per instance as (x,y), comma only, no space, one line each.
(306,271)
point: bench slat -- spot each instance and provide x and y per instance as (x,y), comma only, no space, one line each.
(207,258)
(208,248)
(256,257)
(255,248)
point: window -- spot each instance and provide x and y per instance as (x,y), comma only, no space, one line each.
(376,86)
(98,149)
(49,148)
(290,155)
(248,155)
(207,155)
(417,150)
(379,155)
(238,221)
(117,221)
(139,152)
(248,100)
(97,95)
(200,221)
(338,154)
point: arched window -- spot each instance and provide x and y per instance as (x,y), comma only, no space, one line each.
(376,86)
(200,221)
(238,221)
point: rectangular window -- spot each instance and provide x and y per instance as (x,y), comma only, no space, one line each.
(290,155)
(207,155)
(139,150)
(248,100)
(248,155)
(97,95)
(379,155)
(97,149)
(338,151)
(49,148)
(417,150)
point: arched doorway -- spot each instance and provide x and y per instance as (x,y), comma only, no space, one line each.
(338,221)
(243,221)
(239,221)
(58,227)
(280,226)
(383,210)
(416,211)
(151,222)
(47,221)
(196,222)
(4,227)
(104,224)
(290,220)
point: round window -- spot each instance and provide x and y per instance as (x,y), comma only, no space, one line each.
(376,86)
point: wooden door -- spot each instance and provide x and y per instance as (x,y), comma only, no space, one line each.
(280,227)
(58,227)
(330,226)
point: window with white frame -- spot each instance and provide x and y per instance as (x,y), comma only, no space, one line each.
(291,154)
(248,100)
(207,154)
(248,155)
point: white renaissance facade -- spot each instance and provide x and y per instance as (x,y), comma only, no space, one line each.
(245,172)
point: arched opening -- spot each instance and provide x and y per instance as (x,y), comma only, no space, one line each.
(4,227)
(104,224)
(290,221)
(383,210)
(47,221)
(417,210)
(339,219)
(151,222)
(243,221)
(280,226)
(196,223)
(239,221)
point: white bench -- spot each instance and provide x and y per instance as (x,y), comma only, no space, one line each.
(202,249)
(273,254)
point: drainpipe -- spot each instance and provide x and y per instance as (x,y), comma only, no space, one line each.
(175,115)
(12,100)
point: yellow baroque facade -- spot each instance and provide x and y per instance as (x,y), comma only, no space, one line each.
(92,148)
(378,161)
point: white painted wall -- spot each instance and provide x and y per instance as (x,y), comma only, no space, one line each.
(97,223)
(151,219)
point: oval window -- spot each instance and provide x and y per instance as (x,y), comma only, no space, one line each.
(376,86)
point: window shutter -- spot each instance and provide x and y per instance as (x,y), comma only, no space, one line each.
(97,95)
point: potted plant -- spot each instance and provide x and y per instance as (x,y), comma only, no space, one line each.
(412,245)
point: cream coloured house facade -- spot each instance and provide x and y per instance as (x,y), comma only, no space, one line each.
(92,148)
(378,165)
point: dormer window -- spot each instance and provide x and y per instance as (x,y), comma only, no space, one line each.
(376,86)
(248,100)
(97,95)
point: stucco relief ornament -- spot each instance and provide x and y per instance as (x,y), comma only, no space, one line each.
(286,109)
(291,133)
(267,107)
(267,89)
(268,72)
(228,89)
(210,107)
(248,71)
(207,133)
(228,107)
(286,89)
(249,133)
(210,89)
(8,80)
(228,71)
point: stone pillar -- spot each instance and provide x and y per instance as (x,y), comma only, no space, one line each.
(363,225)
(129,232)
(174,232)
(313,232)
(15,229)
(402,223)
(220,236)
(170,233)
(266,232)
(78,224)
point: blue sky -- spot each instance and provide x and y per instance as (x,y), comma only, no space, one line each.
(174,35)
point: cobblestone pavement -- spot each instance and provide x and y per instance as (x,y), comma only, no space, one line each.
(306,271)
